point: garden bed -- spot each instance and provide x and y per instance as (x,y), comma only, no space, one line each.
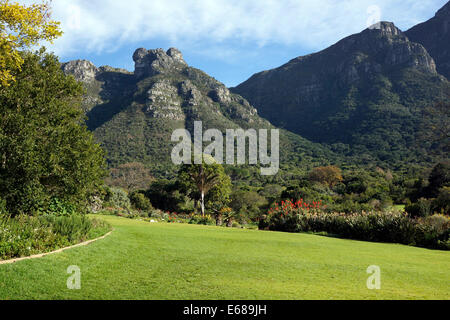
(25,236)
(391,227)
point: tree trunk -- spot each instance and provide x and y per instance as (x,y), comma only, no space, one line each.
(219,219)
(203,204)
(230,222)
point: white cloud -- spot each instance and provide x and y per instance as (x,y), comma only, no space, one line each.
(106,25)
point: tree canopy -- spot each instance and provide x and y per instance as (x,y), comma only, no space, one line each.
(329,176)
(22,27)
(46,150)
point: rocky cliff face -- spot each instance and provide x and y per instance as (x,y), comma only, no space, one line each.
(82,70)
(171,86)
(152,62)
(434,35)
(102,84)
(363,93)
(133,115)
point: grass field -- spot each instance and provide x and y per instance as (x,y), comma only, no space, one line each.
(173,261)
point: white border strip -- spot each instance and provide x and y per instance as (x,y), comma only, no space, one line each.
(53,252)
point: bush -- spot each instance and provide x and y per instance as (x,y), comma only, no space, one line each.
(59,207)
(3,210)
(140,202)
(50,151)
(349,206)
(156,213)
(422,208)
(442,203)
(117,198)
(374,226)
(206,220)
(439,222)
(25,235)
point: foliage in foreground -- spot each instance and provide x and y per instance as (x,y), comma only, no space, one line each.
(25,235)
(393,227)
(46,151)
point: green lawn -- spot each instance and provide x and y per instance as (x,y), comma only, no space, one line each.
(166,261)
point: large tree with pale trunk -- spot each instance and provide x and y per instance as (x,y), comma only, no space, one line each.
(207,184)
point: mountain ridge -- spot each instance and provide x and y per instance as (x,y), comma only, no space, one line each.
(434,35)
(133,114)
(362,95)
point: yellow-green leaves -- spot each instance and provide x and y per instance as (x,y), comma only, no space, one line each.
(22,27)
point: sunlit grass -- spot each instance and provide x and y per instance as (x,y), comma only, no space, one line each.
(174,261)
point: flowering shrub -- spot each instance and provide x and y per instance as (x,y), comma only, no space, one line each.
(393,227)
(207,220)
(172,218)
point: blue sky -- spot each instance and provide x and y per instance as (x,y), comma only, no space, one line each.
(228,39)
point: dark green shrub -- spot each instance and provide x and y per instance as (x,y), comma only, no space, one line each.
(140,202)
(3,210)
(50,152)
(61,208)
(442,203)
(439,178)
(422,208)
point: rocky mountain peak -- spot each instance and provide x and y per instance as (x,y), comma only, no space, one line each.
(386,28)
(434,35)
(340,94)
(388,46)
(82,70)
(157,61)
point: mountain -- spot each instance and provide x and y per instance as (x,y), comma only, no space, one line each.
(133,114)
(434,35)
(364,95)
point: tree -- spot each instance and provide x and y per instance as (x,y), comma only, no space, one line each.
(22,27)
(46,150)
(271,192)
(248,204)
(329,176)
(140,201)
(207,183)
(442,202)
(130,176)
(435,127)
(165,195)
(439,178)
